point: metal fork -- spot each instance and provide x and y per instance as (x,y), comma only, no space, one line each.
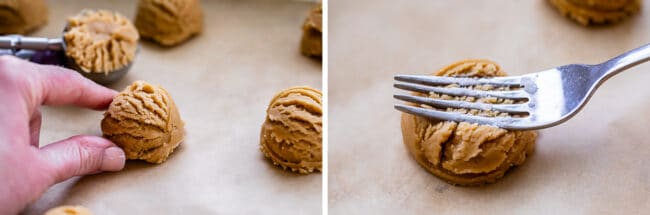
(551,97)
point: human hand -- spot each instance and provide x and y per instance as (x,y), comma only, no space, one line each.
(27,171)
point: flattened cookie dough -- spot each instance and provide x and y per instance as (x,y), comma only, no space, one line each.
(100,41)
(291,134)
(22,16)
(69,210)
(464,153)
(601,4)
(311,44)
(588,12)
(169,22)
(145,122)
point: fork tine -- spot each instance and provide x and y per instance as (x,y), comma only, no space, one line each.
(506,108)
(439,80)
(514,94)
(501,122)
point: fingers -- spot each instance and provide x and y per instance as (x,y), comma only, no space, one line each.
(54,85)
(35,127)
(81,155)
(60,86)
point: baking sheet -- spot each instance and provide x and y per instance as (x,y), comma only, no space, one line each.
(222,82)
(596,163)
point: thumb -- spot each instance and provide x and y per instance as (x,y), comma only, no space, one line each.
(82,155)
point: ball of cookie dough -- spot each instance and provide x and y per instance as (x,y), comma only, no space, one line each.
(69,210)
(22,16)
(464,153)
(311,44)
(169,22)
(587,12)
(100,41)
(291,135)
(144,121)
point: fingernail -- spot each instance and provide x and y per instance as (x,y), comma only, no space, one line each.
(113,159)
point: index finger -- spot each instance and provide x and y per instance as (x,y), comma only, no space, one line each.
(54,85)
(62,86)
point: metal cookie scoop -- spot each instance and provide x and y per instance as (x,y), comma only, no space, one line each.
(29,47)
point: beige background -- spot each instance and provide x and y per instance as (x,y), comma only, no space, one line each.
(222,82)
(596,163)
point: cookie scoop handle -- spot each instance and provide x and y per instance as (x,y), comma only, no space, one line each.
(17,42)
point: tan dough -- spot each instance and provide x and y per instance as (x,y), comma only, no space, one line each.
(463,153)
(291,134)
(100,41)
(311,44)
(69,210)
(588,12)
(22,16)
(144,121)
(169,22)
(601,4)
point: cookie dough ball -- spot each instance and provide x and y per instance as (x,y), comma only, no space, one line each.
(22,16)
(69,210)
(291,135)
(169,22)
(100,41)
(587,12)
(311,44)
(144,121)
(464,153)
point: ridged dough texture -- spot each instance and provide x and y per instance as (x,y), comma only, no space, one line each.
(588,12)
(22,16)
(144,121)
(311,44)
(69,210)
(465,153)
(169,22)
(100,41)
(291,134)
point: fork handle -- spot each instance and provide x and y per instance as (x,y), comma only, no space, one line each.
(625,61)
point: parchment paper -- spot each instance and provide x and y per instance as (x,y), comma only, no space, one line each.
(222,82)
(596,163)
